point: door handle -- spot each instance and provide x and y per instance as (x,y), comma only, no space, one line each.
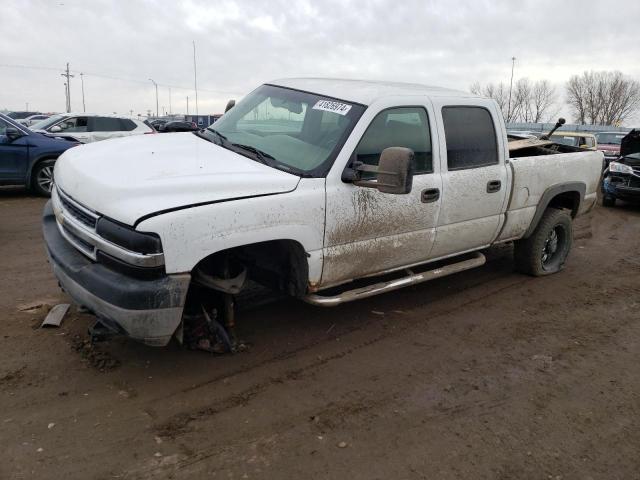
(430,195)
(494,186)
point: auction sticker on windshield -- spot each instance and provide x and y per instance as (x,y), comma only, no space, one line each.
(331,106)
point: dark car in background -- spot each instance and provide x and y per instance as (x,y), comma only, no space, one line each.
(179,126)
(622,176)
(157,124)
(21,115)
(27,158)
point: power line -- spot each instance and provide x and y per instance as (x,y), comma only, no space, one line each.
(113,77)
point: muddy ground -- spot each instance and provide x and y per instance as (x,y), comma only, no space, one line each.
(484,375)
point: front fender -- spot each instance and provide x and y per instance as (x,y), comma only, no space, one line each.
(192,234)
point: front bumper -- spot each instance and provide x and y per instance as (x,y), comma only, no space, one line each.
(624,187)
(149,311)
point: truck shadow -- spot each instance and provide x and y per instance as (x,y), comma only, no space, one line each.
(285,327)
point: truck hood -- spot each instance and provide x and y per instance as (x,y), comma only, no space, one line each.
(132,177)
(630,143)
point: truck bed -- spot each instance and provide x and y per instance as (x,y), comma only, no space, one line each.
(530,182)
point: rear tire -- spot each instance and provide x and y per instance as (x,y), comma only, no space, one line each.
(546,250)
(42,177)
(608,201)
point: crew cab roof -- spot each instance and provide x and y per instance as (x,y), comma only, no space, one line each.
(364,92)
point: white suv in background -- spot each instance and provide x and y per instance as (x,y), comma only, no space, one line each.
(27,122)
(87,128)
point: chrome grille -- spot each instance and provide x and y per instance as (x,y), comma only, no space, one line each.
(77,211)
(77,224)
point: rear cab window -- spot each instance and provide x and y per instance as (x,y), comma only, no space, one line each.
(470,136)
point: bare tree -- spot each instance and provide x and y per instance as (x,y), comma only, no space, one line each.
(530,102)
(604,98)
(521,102)
(543,99)
(499,92)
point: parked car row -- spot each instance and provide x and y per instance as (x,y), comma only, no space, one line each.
(86,128)
(30,120)
(27,157)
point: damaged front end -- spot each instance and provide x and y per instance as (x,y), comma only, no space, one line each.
(209,316)
(115,272)
(622,176)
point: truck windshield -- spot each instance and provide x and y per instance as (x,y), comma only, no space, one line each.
(565,140)
(298,131)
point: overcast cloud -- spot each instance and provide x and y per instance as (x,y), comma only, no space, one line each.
(241,44)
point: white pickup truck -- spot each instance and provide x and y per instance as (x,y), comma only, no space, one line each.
(327,190)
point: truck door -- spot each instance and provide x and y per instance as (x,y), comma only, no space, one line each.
(368,231)
(475,179)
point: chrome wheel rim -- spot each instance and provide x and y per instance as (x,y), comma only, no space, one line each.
(550,246)
(45,178)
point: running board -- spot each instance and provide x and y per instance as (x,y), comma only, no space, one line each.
(383,287)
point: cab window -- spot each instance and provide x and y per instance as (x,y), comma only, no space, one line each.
(398,127)
(470,136)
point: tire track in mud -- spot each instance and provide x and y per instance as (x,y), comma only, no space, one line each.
(179,423)
(485,277)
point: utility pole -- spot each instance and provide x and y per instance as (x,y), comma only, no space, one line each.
(170,101)
(131,112)
(195,76)
(27,109)
(156,85)
(187,104)
(82,82)
(68,87)
(513,64)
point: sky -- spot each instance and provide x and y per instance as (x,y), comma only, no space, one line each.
(119,45)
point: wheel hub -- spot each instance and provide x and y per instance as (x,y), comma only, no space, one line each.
(45,178)
(550,246)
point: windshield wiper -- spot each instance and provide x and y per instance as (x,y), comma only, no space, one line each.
(222,140)
(218,134)
(263,157)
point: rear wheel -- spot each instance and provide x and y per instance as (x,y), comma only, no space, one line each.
(546,250)
(608,201)
(42,178)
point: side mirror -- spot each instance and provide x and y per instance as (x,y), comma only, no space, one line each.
(230,105)
(55,129)
(394,173)
(13,133)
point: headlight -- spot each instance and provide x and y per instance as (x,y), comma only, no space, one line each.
(616,167)
(127,237)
